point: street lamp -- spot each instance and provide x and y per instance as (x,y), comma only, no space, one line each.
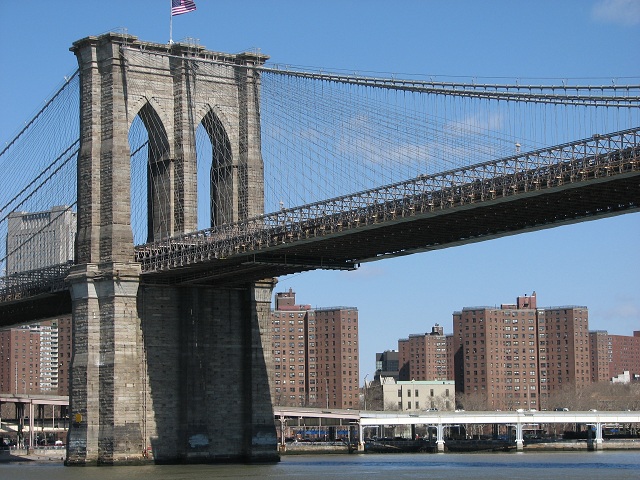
(326,381)
(365,391)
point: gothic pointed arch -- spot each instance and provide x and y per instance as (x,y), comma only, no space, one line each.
(158,176)
(222,175)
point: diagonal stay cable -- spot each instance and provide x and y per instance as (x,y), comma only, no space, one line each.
(46,105)
(71,156)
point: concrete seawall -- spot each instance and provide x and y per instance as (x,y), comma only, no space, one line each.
(53,454)
(305,448)
(567,445)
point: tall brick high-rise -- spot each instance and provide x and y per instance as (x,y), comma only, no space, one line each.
(20,365)
(518,355)
(424,356)
(601,353)
(315,355)
(612,355)
(564,358)
(289,351)
(35,359)
(626,354)
(495,349)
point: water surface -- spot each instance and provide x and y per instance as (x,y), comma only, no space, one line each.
(476,466)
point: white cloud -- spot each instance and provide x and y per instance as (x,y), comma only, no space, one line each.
(620,319)
(622,12)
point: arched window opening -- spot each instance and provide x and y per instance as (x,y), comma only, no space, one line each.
(151,178)
(220,185)
(203,155)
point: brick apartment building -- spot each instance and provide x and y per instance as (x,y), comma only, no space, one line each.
(20,365)
(424,357)
(496,354)
(519,355)
(612,355)
(315,355)
(565,361)
(36,359)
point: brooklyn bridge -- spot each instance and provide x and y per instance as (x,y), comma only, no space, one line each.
(195,178)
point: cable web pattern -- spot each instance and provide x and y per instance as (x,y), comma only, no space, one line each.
(38,199)
(326,136)
(322,136)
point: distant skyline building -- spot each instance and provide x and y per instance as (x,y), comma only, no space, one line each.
(314,354)
(424,356)
(613,355)
(20,365)
(387,364)
(40,239)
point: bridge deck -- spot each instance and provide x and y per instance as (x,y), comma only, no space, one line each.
(570,183)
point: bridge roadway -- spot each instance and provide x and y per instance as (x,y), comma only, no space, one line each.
(442,419)
(573,182)
(578,181)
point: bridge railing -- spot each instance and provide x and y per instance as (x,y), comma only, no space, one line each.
(593,158)
(597,157)
(30,283)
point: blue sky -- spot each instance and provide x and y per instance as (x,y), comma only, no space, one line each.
(596,264)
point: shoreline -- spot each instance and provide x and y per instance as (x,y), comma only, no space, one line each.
(54,456)
(560,446)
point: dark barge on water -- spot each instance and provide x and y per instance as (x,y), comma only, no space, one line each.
(405,445)
(479,445)
(397,445)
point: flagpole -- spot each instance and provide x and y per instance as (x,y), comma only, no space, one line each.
(170,22)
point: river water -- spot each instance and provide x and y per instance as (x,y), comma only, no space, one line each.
(536,465)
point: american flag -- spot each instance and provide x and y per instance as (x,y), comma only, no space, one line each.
(178,7)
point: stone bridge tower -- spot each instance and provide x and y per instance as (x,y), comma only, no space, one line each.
(166,373)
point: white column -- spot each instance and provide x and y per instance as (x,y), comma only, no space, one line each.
(598,440)
(31,423)
(440,438)
(519,439)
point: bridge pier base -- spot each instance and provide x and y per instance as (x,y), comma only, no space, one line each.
(106,405)
(168,374)
(208,381)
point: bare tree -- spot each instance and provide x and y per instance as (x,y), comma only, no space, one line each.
(474,401)
(600,396)
(442,402)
